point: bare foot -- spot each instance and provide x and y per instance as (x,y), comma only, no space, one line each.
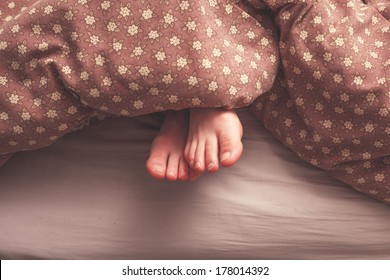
(213,132)
(166,158)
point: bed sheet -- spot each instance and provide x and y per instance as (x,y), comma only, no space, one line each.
(89,196)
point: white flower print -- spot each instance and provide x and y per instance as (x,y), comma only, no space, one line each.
(197,45)
(160,56)
(154,91)
(337,78)
(206,63)
(134,86)
(133,29)
(369,127)
(244,79)
(173,99)
(184,5)
(94,40)
(117,99)
(153,34)
(90,20)
(307,56)
(4,116)
(169,18)
(124,12)
(358,80)
(229,9)
(107,81)
(175,41)
(251,34)
(138,51)
(181,62)
(105,5)
(196,101)
(100,60)
(84,76)
(112,26)
(233,90)
(217,52)
(191,25)
(264,42)
(317,19)
(144,71)
(317,75)
(18,129)
(14,98)
(138,104)
(3,81)
(94,92)
(72,110)
(379,177)
(213,86)
(238,59)
(52,114)
(383,112)
(192,80)
(303,34)
(226,70)
(167,79)
(66,70)
(117,46)
(233,30)
(147,14)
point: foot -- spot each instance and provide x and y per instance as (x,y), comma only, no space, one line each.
(166,159)
(213,134)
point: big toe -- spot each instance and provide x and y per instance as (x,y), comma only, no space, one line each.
(230,149)
(157,165)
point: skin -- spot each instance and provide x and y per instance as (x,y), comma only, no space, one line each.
(166,159)
(189,144)
(214,137)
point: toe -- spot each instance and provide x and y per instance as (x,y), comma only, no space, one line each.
(190,157)
(230,150)
(199,163)
(172,167)
(157,165)
(183,170)
(211,155)
(187,151)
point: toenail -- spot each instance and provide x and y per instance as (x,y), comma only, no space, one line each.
(225,156)
(197,165)
(210,166)
(159,170)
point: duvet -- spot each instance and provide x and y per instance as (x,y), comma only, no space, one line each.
(314,72)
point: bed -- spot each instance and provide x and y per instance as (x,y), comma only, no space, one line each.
(89,196)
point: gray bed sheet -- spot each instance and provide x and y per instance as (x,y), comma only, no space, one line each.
(89,197)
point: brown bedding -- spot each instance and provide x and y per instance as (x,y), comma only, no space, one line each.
(65,61)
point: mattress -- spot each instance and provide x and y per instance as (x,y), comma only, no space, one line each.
(89,196)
